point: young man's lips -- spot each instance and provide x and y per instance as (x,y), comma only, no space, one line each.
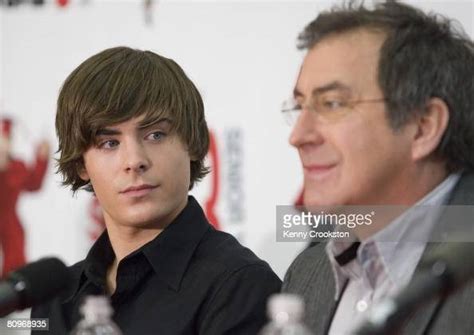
(139,190)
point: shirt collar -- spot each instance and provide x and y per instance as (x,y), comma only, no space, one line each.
(168,254)
(383,253)
(171,252)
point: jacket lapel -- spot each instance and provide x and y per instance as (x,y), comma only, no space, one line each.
(323,294)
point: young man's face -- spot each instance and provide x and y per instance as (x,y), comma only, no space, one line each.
(140,175)
(355,158)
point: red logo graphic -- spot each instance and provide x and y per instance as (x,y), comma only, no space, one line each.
(211,202)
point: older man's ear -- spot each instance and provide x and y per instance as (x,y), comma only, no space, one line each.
(430,128)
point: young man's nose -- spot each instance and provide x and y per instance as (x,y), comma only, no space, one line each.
(136,157)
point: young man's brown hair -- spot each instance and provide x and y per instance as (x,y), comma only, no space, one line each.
(116,85)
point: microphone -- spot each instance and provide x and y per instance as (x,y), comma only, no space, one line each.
(33,284)
(442,272)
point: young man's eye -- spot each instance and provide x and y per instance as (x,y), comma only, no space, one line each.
(108,144)
(156,135)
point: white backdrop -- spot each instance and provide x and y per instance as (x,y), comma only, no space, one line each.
(240,54)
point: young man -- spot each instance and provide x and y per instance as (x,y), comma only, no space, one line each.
(131,129)
(384,103)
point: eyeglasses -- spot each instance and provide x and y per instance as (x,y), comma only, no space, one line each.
(328,106)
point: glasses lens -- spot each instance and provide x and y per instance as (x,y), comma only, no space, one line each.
(291,110)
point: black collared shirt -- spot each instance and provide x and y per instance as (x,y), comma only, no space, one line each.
(191,279)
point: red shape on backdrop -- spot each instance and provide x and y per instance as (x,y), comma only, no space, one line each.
(62,3)
(16,177)
(210,203)
(6,127)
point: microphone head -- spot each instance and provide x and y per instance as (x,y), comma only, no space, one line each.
(40,281)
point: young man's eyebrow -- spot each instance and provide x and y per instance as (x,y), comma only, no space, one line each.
(107,132)
(161,122)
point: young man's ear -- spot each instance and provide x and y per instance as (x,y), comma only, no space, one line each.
(430,128)
(192,156)
(82,172)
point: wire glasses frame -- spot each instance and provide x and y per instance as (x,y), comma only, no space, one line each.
(327,108)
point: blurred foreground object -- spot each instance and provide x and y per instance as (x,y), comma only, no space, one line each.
(33,284)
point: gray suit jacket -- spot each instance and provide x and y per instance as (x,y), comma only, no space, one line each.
(310,275)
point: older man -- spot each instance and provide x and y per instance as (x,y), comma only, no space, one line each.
(384,116)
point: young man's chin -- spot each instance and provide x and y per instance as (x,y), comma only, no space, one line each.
(144,223)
